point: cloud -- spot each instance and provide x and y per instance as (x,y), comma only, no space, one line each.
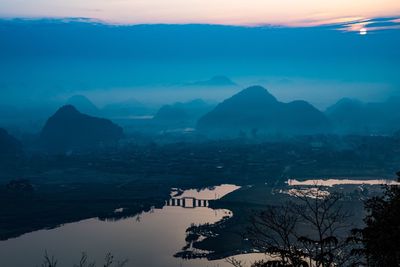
(370,25)
(233,12)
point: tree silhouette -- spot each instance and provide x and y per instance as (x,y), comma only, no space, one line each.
(311,231)
(382,234)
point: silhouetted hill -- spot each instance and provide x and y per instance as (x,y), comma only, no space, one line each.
(8,144)
(255,108)
(68,129)
(182,114)
(83,104)
(343,106)
(194,108)
(169,113)
(348,116)
(303,117)
(353,116)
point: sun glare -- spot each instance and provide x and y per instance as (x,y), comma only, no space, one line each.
(363,31)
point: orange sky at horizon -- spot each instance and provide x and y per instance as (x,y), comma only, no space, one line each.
(230,12)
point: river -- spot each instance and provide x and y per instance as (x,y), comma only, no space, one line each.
(148,240)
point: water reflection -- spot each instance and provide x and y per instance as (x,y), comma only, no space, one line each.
(207,193)
(333,182)
(150,241)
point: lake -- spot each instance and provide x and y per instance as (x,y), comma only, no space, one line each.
(150,239)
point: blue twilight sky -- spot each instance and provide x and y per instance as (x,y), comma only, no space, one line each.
(49,59)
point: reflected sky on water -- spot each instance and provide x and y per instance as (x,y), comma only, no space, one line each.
(150,239)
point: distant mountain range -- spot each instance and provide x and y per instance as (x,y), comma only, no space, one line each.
(68,129)
(353,116)
(252,111)
(255,110)
(182,114)
(8,144)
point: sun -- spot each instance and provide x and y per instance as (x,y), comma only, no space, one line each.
(363,31)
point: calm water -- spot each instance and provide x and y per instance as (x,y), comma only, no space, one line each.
(149,240)
(333,182)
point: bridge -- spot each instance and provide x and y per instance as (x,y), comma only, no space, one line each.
(187,202)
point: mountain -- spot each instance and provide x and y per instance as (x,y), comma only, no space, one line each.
(355,117)
(348,116)
(8,144)
(255,108)
(182,114)
(83,104)
(194,108)
(68,129)
(214,81)
(344,106)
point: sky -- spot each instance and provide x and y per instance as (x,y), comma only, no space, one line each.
(231,12)
(54,59)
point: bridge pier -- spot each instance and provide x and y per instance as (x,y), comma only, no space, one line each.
(187,202)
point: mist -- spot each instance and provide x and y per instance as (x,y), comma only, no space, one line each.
(46,61)
(56,56)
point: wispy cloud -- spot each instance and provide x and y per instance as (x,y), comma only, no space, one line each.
(370,25)
(232,12)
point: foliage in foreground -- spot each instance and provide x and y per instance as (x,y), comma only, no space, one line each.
(382,234)
(109,261)
(312,233)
